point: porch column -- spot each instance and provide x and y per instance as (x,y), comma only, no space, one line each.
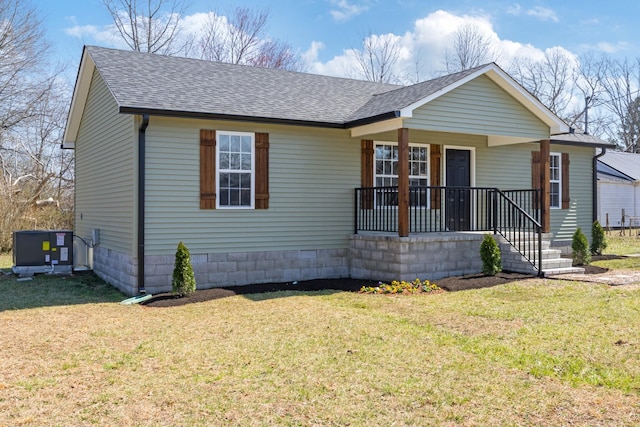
(403,182)
(545,175)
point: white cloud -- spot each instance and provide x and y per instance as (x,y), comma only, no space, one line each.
(608,47)
(344,10)
(543,13)
(515,9)
(106,35)
(422,49)
(311,55)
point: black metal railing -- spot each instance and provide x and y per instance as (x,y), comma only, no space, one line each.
(517,226)
(514,214)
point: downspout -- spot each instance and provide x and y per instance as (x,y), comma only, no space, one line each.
(141,186)
(594,183)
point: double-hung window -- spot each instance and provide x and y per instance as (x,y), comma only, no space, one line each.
(386,172)
(236,169)
(555,180)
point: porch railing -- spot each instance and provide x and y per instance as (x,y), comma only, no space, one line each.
(519,224)
(514,214)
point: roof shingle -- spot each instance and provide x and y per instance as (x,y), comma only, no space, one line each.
(141,81)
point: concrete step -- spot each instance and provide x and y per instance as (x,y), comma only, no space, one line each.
(560,271)
(512,253)
(504,245)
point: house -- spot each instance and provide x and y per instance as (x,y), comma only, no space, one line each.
(619,189)
(272,176)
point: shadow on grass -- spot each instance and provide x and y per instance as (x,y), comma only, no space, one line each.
(54,290)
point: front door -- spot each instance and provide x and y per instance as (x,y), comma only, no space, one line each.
(458,199)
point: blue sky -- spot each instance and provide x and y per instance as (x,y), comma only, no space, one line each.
(323,31)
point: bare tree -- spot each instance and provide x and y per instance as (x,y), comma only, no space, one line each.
(32,115)
(552,81)
(240,39)
(378,57)
(620,89)
(469,48)
(22,71)
(589,75)
(630,129)
(148,26)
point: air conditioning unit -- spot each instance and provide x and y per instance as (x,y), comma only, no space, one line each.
(42,251)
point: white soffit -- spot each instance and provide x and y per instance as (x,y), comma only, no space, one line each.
(379,127)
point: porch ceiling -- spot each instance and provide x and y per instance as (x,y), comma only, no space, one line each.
(381,130)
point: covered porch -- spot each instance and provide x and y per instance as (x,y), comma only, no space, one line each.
(434,231)
(457,159)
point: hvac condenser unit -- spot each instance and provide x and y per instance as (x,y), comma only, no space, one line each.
(37,251)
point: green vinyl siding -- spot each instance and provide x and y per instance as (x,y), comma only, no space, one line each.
(312,176)
(105,179)
(506,167)
(478,107)
(565,221)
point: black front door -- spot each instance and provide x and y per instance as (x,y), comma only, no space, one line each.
(458,199)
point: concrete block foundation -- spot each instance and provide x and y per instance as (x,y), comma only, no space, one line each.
(429,256)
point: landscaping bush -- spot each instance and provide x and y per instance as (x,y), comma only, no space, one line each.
(599,242)
(403,287)
(490,255)
(184,281)
(580,248)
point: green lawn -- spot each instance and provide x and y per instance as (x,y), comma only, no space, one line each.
(533,352)
(623,245)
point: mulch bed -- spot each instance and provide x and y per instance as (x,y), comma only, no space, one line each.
(457,283)
(470,281)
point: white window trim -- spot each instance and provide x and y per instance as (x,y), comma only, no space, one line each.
(219,170)
(559,181)
(411,144)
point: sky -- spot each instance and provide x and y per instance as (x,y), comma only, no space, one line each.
(323,32)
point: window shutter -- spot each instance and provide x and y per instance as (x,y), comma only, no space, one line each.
(367,163)
(366,173)
(434,175)
(565,181)
(535,177)
(207,169)
(262,171)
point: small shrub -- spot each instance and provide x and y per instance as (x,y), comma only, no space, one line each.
(403,287)
(599,242)
(184,281)
(580,248)
(490,255)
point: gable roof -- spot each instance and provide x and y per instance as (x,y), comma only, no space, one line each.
(627,164)
(143,83)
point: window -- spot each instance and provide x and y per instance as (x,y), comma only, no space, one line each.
(386,171)
(555,180)
(236,164)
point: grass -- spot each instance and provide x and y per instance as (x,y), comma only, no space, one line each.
(533,352)
(622,246)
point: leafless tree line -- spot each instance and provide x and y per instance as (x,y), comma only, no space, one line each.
(35,175)
(237,37)
(599,95)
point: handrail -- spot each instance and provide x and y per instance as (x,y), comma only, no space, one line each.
(515,225)
(511,213)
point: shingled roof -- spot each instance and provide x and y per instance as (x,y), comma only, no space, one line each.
(143,83)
